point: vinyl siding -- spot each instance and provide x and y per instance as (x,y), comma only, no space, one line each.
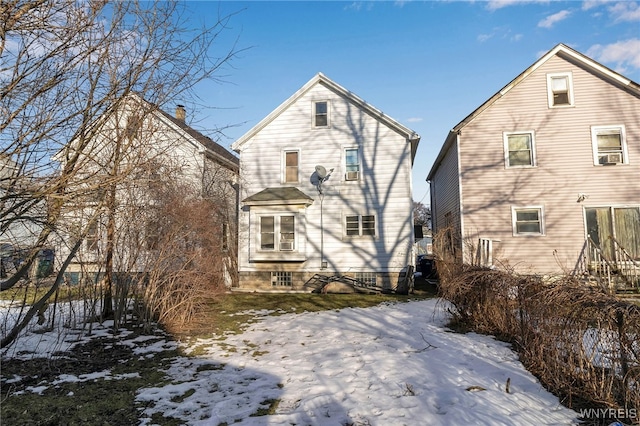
(445,191)
(384,189)
(564,167)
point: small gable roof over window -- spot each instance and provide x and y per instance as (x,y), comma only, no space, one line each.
(278,196)
(320,78)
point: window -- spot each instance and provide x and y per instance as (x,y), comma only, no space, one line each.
(281,279)
(282,227)
(291,166)
(527,220)
(352,163)
(134,127)
(560,90)
(519,149)
(320,114)
(360,225)
(369,279)
(93,237)
(609,145)
(225,236)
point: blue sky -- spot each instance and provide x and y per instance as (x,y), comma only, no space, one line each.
(426,64)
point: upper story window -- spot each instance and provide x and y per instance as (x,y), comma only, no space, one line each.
(527,220)
(609,145)
(560,89)
(134,127)
(277,233)
(360,225)
(519,149)
(321,114)
(291,163)
(352,164)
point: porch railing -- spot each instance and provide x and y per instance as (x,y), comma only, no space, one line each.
(616,270)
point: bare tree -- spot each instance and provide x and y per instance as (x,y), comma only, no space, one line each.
(66,68)
(421,214)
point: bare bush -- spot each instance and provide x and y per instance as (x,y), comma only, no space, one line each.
(579,341)
(187,260)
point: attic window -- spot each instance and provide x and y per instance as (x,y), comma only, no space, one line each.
(134,125)
(560,90)
(320,114)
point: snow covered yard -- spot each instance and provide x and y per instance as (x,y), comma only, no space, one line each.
(393,364)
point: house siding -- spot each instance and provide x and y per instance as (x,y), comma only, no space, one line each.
(564,167)
(445,192)
(384,189)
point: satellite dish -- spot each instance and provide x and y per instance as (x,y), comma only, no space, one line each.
(321,171)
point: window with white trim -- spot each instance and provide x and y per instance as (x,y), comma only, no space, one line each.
(281,279)
(609,145)
(290,166)
(277,233)
(560,89)
(519,149)
(352,163)
(360,225)
(527,220)
(321,114)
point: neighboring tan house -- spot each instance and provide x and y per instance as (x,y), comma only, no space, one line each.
(156,147)
(544,177)
(325,189)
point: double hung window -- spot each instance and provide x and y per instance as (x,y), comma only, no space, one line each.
(560,89)
(527,221)
(277,233)
(321,114)
(352,163)
(519,149)
(291,166)
(609,144)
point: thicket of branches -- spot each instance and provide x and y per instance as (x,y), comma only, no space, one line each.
(581,342)
(67,68)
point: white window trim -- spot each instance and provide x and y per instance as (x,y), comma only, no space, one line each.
(276,232)
(344,163)
(550,91)
(313,114)
(283,169)
(360,235)
(594,142)
(514,209)
(505,138)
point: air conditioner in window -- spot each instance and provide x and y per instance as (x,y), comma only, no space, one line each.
(612,158)
(286,245)
(353,175)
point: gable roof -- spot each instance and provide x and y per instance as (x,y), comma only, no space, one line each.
(218,150)
(561,50)
(320,78)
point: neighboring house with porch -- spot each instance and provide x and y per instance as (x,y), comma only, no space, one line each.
(544,177)
(325,189)
(156,149)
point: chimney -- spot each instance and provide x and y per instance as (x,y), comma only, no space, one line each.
(181,113)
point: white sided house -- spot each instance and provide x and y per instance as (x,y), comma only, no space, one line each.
(154,148)
(325,189)
(544,177)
